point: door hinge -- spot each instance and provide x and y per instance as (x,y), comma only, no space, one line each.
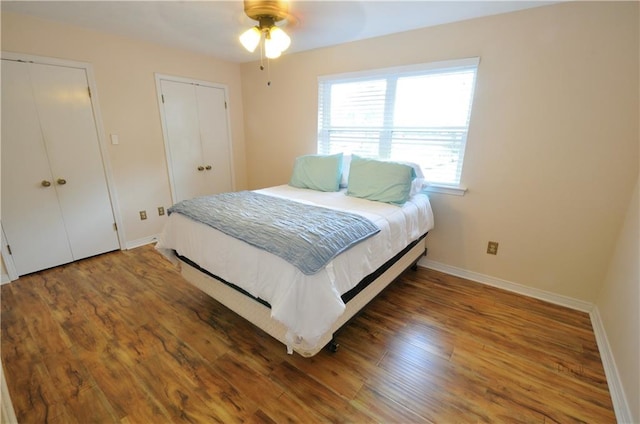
(9,249)
(115,227)
(225,104)
(89,91)
(162,95)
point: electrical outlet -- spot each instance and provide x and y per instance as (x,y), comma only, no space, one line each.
(492,248)
(143,215)
(160,210)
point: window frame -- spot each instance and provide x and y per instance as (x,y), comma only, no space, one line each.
(392,74)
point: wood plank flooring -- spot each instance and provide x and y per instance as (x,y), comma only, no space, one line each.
(123,338)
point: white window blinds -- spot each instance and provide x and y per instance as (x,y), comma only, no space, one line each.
(418,114)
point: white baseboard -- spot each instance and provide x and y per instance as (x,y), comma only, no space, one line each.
(620,404)
(4,279)
(141,242)
(618,397)
(558,299)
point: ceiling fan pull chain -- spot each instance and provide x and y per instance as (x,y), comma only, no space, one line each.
(268,72)
(261,57)
(262,64)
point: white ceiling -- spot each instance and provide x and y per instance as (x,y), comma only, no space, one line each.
(213,27)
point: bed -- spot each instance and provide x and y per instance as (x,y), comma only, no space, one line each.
(300,309)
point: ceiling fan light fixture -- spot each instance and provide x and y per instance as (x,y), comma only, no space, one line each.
(267,13)
(271,49)
(280,38)
(251,38)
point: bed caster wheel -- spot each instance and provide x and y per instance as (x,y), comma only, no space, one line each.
(414,267)
(333,346)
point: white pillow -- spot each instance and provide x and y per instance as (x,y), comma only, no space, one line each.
(418,184)
(346,163)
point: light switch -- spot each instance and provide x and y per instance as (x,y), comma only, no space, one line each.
(115,139)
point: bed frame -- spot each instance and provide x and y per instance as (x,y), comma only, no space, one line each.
(258,312)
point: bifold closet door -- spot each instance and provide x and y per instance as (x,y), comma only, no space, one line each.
(214,136)
(71,137)
(183,130)
(31,215)
(198,143)
(56,206)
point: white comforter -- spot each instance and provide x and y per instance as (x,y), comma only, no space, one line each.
(307,305)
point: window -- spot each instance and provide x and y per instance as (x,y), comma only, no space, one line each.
(418,114)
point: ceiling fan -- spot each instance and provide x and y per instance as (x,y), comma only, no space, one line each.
(272,38)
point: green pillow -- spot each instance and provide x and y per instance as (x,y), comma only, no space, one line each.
(388,182)
(317,172)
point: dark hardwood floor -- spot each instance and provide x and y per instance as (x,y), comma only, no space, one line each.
(123,338)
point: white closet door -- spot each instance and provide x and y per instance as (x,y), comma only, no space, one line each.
(197,138)
(56,206)
(183,131)
(214,135)
(31,216)
(71,138)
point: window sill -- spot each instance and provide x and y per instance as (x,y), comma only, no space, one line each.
(444,189)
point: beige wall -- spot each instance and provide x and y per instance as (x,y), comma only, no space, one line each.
(124,72)
(552,153)
(619,305)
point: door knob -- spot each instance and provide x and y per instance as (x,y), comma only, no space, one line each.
(45,183)
(61,181)
(208,167)
(201,168)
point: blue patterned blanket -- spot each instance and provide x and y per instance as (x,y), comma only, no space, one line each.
(306,236)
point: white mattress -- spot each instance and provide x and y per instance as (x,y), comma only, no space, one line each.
(307,305)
